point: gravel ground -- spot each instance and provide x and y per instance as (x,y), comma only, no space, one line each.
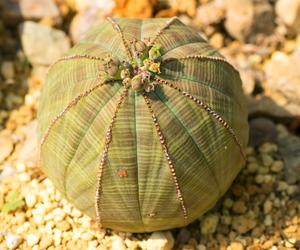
(261,210)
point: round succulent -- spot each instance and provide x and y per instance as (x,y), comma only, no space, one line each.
(142,125)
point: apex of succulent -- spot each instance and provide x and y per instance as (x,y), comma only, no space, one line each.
(139,73)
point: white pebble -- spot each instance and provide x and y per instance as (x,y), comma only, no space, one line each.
(32,239)
(12,241)
(117,243)
(201,247)
(30,199)
(160,241)
(20,167)
(24,177)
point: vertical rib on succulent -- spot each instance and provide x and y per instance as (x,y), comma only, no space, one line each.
(72,103)
(118,29)
(108,139)
(168,158)
(205,107)
(159,32)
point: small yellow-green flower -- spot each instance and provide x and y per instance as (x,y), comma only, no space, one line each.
(155,67)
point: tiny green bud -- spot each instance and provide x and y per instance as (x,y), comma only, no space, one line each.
(112,70)
(137,83)
(125,73)
(154,52)
(127,82)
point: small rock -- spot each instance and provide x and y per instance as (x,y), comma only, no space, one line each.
(267,160)
(209,224)
(80,5)
(7,70)
(118,243)
(268,245)
(137,9)
(63,225)
(43,45)
(282,186)
(217,40)
(228,203)
(277,166)
(236,246)
(30,199)
(252,167)
(283,77)
(160,241)
(7,171)
(29,153)
(245,19)
(263,105)
(259,179)
(290,243)
(262,130)
(83,22)
(242,224)
(267,206)
(201,247)
(268,148)
(57,237)
(239,207)
(32,239)
(12,241)
(6,145)
(289,148)
(46,241)
(268,220)
(31,10)
(248,80)
(208,14)
(289,13)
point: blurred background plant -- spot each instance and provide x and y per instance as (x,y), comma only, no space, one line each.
(261,38)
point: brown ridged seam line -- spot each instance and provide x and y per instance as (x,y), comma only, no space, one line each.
(211,112)
(201,57)
(72,57)
(108,139)
(168,158)
(168,23)
(118,29)
(68,107)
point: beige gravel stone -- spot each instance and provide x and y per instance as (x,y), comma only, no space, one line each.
(8,70)
(209,224)
(235,246)
(46,241)
(32,239)
(242,224)
(239,207)
(30,199)
(160,241)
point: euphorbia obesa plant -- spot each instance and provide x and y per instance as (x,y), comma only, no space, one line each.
(142,124)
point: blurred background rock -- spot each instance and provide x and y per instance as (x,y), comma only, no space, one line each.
(261,38)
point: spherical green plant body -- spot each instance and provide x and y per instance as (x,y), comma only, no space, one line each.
(142,125)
